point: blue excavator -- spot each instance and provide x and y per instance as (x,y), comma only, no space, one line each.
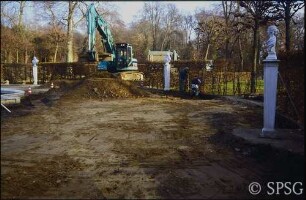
(116,58)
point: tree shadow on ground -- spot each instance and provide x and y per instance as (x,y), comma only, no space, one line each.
(260,163)
(273,164)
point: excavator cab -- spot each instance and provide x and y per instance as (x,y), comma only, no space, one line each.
(124,58)
(125,64)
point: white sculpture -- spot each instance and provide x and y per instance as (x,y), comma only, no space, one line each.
(271,42)
(34,62)
(270,84)
(167,60)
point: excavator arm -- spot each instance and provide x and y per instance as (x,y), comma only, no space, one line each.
(95,21)
(209,63)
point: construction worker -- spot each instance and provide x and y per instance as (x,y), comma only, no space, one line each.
(183,76)
(195,85)
(122,57)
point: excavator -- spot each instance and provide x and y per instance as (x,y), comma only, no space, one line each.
(209,63)
(117,58)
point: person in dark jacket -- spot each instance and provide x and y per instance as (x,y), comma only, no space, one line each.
(195,85)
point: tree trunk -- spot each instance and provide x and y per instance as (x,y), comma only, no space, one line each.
(154,39)
(226,11)
(163,42)
(17,56)
(5,56)
(287,22)
(186,38)
(26,55)
(9,57)
(70,33)
(20,16)
(240,69)
(55,53)
(255,56)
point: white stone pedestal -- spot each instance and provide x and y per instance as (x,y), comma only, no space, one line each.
(34,62)
(35,78)
(270,91)
(167,77)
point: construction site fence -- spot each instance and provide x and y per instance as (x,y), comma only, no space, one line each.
(17,73)
(291,85)
(222,83)
(213,82)
(290,93)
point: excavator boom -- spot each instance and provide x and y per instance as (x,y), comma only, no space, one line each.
(95,21)
(209,63)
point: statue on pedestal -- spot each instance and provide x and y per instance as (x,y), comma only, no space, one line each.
(271,42)
(34,62)
(270,65)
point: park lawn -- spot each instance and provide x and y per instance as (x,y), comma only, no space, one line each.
(227,89)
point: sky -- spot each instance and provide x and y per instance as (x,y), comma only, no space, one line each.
(128,9)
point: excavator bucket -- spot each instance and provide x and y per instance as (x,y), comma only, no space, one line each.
(131,76)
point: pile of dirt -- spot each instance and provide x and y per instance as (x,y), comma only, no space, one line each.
(103,74)
(104,88)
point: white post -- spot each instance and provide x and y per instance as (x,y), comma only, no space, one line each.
(167,72)
(270,84)
(34,62)
(270,91)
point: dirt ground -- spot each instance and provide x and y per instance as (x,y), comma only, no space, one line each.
(103,139)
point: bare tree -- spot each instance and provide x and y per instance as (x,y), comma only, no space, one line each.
(152,12)
(256,13)
(21,12)
(209,27)
(20,28)
(227,10)
(75,10)
(286,11)
(12,14)
(9,11)
(189,25)
(56,30)
(72,7)
(298,32)
(110,13)
(171,22)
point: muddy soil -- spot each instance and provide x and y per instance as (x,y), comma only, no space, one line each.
(108,139)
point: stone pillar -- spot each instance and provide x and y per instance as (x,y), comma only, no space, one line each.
(35,77)
(34,62)
(270,91)
(167,77)
(167,72)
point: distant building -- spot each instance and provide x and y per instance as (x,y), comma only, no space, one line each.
(158,56)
